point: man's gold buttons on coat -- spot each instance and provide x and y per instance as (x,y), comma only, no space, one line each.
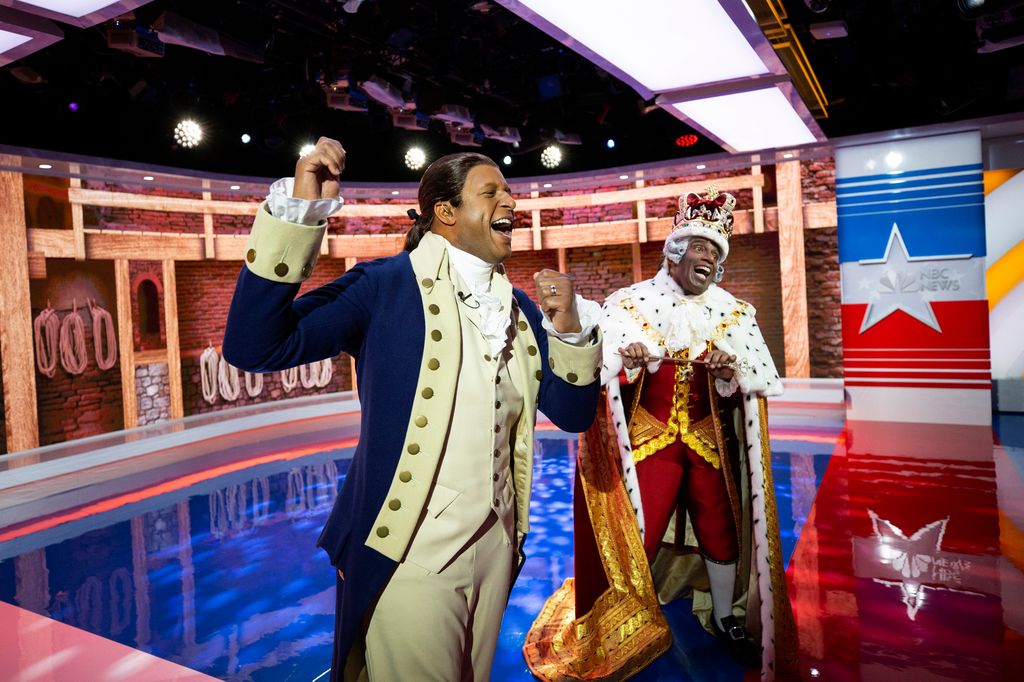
(522,325)
(539,374)
(383,532)
(432,363)
(395,505)
(436,335)
(307,270)
(497,428)
(434,309)
(405,477)
(421,421)
(281,269)
(427,282)
(487,357)
(427,393)
(571,376)
(532,350)
(250,255)
(551,361)
(413,449)
(497,404)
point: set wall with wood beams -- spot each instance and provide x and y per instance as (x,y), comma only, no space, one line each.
(188,243)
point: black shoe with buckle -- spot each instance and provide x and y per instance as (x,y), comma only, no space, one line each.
(735,638)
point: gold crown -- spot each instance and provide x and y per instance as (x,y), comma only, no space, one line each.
(713,210)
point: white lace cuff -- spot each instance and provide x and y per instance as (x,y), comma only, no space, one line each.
(285,207)
(727,388)
(589,312)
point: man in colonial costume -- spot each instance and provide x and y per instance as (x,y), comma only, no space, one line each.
(428,529)
(675,475)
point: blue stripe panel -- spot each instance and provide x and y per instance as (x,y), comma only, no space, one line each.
(891,199)
(902,184)
(909,174)
(910,206)
(941,232)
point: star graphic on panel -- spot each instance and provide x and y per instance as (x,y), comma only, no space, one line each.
(899,288)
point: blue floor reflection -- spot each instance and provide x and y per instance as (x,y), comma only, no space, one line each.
(230,582)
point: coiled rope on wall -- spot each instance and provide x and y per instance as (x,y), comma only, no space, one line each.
(253,384)
(73,355)
(289,379)
(103,339)
(46,327)
(316,374)
(208,362)
(227,380)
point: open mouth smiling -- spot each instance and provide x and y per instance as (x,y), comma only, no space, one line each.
(702,271)
(503,225)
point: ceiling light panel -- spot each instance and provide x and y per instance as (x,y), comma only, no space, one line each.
(9,41)
(72,8)
(728,118)
(661,45)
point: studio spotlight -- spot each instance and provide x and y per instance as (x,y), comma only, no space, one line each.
(306,149)
(188,134)
(610,143)
(507,160)
(415,158)
(246,138)
(551,157)
(72,106)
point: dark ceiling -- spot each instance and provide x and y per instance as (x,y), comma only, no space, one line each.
(905,63)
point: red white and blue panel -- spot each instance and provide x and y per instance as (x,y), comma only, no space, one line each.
(912,261)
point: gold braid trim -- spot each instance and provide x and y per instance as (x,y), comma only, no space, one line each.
(624,631)
(785,628)
(652,333)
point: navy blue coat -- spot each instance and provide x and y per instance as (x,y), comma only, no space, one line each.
(375,314)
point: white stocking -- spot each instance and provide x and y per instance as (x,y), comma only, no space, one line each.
(723,581)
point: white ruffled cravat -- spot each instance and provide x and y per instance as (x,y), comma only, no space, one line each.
(477,273)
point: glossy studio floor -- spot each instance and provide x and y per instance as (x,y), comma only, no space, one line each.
(185,551)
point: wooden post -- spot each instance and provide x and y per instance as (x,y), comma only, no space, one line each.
(173,341)
(209,240)
(538,242)
(641,215)
(758,201)
(352,365)
(77,213)
(21,420)
(126,340)
(791,265)
(562,260)
(637,265)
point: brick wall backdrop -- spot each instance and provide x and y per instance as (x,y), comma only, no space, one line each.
(204,296)
(153,271)
(90,403)
(522,264)
(821,254)
(135,220)
(818,179)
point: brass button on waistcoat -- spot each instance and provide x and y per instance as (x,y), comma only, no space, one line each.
(307,270)
(427,393)
(539,374)
(497,404)
(395,505)
(433,363)
(487,357)
(571,376)
(405,477)
(522,325)
(250,255)
(497,428)
(436,335)
(495,477)
(532,350)
(421,421)
(551,361)
(497,453)
(427,282)
(434,310)
(281,269)
(413,449)
(383,532)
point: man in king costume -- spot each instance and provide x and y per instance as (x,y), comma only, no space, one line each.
(673,490)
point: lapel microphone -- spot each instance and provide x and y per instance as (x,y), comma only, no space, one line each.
(465,297)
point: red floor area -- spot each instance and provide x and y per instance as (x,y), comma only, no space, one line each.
(909,565)
(48,651)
